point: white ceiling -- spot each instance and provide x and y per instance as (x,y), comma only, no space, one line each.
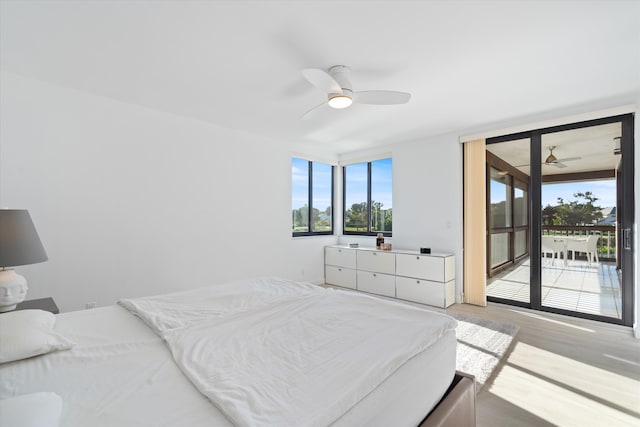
(237,63)
(587,149)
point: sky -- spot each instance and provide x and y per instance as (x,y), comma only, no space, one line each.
(300,184)
(604,190)
(356,183)
(381,183)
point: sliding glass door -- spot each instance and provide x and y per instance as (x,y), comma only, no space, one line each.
(559,204)
(508,220)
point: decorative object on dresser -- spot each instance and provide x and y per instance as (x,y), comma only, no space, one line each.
(409,275)
(19,245)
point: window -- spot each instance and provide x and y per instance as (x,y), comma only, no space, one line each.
(367,198)
(311,197)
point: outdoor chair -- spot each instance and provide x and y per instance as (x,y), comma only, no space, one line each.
(552,245)
(588,245)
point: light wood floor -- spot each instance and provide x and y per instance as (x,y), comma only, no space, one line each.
(560,371)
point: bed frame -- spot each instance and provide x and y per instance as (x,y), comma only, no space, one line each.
(458,406)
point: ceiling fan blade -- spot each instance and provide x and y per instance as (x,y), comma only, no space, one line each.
(569,159)
(556,164)
(381,97)
(322,80)
(314,111)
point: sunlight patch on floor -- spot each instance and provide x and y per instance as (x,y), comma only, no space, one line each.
(577,376)
(547,319)
(552,402)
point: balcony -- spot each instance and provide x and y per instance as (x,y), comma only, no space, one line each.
(576,285)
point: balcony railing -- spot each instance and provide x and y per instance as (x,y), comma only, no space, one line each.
(606,242)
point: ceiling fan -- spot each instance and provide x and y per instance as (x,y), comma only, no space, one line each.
(336,83)
(552,160)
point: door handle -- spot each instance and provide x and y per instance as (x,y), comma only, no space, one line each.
(626,239)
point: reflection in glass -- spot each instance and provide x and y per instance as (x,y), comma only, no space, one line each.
(381,204)
(520,201)
(321,180)
(355,196)
(500,199)
(300,195)
(509,167)
(520,244)
(499,249)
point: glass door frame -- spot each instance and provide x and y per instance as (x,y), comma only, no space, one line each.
(626,215)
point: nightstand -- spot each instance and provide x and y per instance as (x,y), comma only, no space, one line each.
(46,304)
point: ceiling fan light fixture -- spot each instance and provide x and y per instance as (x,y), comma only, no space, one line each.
(340,101)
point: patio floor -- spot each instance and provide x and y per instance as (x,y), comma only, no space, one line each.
(578,286)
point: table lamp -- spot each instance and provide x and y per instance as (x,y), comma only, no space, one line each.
(19,245)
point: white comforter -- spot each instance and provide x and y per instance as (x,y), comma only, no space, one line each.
(280,353)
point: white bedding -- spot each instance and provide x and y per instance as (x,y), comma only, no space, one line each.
(266,351)
(120,373)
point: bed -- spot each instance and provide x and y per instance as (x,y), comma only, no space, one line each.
(254,352)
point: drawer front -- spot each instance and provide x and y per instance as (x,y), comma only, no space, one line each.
(421,267)
(340,276)
(422,291)
(377,283)
(340,257)
(377,261)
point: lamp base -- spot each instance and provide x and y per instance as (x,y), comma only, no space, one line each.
(13,289)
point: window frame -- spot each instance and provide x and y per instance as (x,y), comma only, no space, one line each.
(310,202)
(344,203)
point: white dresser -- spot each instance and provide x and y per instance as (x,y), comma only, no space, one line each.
(340,266)
(409,275)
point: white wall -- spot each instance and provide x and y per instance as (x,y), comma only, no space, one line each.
(427,197)
(130,201)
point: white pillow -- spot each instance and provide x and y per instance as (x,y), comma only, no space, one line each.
(29,333)
(31,410)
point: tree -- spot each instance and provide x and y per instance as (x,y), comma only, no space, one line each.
(300,218)
(550,216)
(581,211)
(357,217)
(377,219)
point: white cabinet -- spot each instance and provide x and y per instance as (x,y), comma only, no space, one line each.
(341,257)
(424,278)
(436,268)
(377,283)
(376,261)
(428,279)
(340,267)
(425,291)
(340,276)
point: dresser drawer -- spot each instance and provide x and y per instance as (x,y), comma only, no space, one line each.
(377,261)
(437,269)
(377,283)
(425,291)
(340,257)
(340,276)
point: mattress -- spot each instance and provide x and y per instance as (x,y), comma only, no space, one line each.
(121,373)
